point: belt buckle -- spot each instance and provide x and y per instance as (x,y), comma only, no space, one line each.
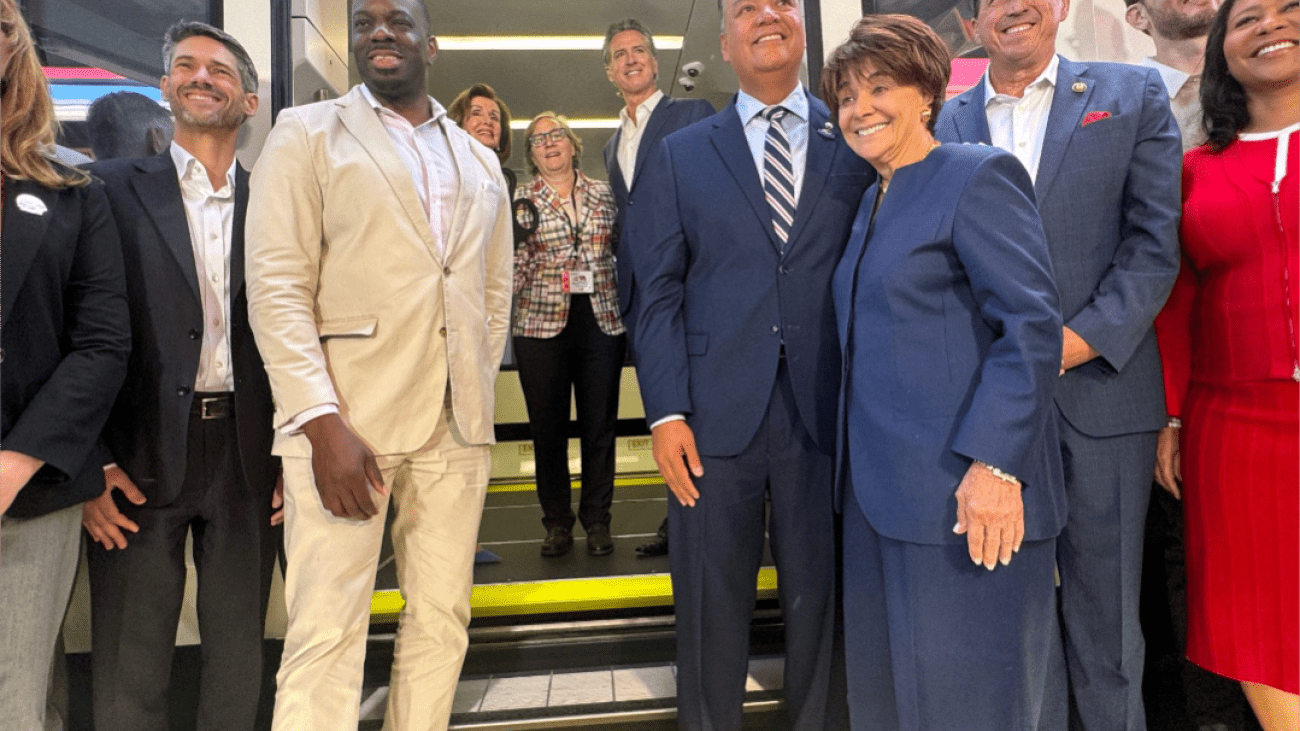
(216,413)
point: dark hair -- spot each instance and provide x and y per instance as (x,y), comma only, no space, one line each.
(619,26)
(1223,99)
(127,124)
(459,111)
(190,28)
(902,46)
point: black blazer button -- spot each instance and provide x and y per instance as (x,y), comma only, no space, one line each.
(183,391)
(194,334)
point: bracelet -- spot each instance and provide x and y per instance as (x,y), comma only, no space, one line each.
(1004,476)
(1174,423)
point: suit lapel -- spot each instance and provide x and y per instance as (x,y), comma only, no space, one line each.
(24,233)
(363,123)
(237,232)
(971,120)
(159,192)
(466,185)
(821,151)
(653,126)
(728,138)
(1065,117)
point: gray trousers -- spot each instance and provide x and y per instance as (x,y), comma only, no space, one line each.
(38,562)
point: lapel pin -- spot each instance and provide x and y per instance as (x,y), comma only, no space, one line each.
(827,131)
(1079,87)
(28,203)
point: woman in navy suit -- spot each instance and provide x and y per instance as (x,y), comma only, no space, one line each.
(948,474)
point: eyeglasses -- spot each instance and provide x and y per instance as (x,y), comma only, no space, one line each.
(541,138)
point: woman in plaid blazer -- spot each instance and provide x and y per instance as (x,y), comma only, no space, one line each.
(567,333)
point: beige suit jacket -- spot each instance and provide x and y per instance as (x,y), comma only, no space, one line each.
(350,299)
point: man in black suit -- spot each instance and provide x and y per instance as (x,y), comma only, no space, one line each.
(189,439)
(632,65)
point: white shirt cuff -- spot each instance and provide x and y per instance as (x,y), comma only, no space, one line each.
(295,425)
(668,418)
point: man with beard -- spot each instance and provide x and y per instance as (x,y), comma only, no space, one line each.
(189,439)
(379,268)
(647,116)
(1178,29)
(739,364)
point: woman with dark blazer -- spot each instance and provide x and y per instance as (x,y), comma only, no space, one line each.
(948,474)
(568,335)
(64,342)
(1228,341)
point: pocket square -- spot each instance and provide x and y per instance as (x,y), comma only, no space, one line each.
(1091,117)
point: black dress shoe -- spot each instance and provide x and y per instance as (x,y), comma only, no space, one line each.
(657,547)
(598,541)
(558,542)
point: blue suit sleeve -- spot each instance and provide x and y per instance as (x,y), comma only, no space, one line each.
(1145,265)
(660,258)
(1000,242)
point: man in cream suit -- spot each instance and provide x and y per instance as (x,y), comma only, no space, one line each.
(379,279)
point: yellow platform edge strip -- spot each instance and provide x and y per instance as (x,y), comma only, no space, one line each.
(573,595)
(529,486)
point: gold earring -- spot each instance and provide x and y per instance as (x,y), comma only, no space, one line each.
(925,114)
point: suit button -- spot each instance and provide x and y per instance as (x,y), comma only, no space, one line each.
(442,331)
(194,334)
(775,329)
(183,391)
(446,271)
(784,269)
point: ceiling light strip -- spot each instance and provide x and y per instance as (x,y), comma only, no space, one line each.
(541,43)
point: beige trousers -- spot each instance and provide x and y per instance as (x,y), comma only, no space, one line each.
(438,497)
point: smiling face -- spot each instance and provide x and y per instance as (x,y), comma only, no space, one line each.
(763,40)
(632,67)
(483,121)
(392,47)
(553,157)
(883,121)
(1020,33)
(1262,43)
(204,88)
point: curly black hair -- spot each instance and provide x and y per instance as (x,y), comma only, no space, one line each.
(1223,99)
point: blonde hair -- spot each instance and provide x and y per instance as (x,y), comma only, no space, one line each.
(27,123)
(563,123)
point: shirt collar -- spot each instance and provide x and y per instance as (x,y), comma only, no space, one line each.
(648,106)
(1173,78)
(437,109)
(796,103)
(190,169)
(1048,77)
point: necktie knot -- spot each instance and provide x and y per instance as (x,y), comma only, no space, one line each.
(775,113)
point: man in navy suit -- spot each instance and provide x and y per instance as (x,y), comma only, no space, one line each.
(745,217)
(1103,149)
(632,65)
(189,438)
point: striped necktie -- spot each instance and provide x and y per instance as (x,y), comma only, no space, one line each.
(778,173)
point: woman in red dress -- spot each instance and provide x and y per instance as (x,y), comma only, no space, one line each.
(1232,369)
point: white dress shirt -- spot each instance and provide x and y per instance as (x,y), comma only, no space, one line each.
(795,125)
(630,133)
(1018,125)
(427,155)
(210,215)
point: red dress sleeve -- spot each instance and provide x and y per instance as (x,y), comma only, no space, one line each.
(1173,324)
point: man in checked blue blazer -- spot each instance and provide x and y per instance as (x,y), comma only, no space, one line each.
(1104,152)
(744,218)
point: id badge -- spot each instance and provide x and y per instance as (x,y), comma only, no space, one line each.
(579,281)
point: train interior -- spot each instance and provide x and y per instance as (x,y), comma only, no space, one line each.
(577,641)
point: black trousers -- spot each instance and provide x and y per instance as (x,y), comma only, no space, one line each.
(586,360)
(136,594)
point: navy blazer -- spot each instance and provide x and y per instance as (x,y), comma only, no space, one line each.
(669,115)
(717,297)
(951,332)
(64,337)
(147,432)
(1111,217)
